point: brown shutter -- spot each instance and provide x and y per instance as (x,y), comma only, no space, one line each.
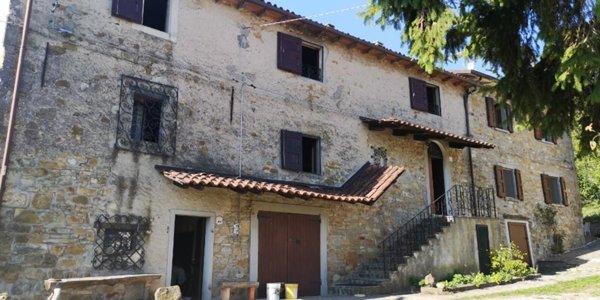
(289,53)
(546,189)
(131,10)
(499,181)
(490,106)
(519,185)
(563,188)
(509,119)
(418,94)
(537,133)
(291,150)
(554,140)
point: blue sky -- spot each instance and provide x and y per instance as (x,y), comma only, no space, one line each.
(350,22)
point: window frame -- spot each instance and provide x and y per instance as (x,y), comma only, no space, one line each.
(547,190)
(170,31)
(285,134)
(494,112)
(419,96)
(501,187)
(539,135)
(285,63)
(132,87)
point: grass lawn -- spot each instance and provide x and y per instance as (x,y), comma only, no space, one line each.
(589,286)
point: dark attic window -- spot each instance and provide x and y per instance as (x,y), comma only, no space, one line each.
(425,97)
(309,154)
(299,57)
(300,152)
(151,13)
(310,63)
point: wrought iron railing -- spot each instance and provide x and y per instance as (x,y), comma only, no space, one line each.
(460,200)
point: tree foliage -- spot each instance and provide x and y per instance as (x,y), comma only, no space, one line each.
(545,53)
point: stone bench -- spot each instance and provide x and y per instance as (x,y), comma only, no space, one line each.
(227,286)
(84,287)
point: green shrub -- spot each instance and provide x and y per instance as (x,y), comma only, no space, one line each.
(415,282)
(479,279)
(500,277)
(509,260)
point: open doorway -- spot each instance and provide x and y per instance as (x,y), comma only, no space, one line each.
(188,255)
(436,179)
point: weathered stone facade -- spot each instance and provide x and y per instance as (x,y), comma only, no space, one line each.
(65,170)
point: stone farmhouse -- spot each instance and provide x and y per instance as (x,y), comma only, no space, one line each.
(227,141)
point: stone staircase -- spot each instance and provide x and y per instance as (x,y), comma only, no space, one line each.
(408,250)
(376,276)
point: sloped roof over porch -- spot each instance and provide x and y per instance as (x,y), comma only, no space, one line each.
(365,186)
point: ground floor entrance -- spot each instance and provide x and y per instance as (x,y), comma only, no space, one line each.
(289,251)
(517,232)
(188,255)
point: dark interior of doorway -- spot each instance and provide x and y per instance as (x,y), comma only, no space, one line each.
(188,255)
(438,188)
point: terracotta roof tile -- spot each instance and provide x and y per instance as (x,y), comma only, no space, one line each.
(420,129)
(365,186)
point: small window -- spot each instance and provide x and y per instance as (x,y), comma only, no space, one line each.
(300,152)
(151,13)
(145,119)
(554,190)
(499,115)
(299,57)
(425,97)
(545,136)
(508,183)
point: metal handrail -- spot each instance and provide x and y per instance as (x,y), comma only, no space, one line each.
(460,200)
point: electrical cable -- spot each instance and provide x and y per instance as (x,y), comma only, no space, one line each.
(316,15)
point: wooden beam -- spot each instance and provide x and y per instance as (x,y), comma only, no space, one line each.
(352,45)
(261,12)
(403,132)
(421,136)
(335,39)
(376,127)
(382,56)
(366,51)
(456,145)
(241,4)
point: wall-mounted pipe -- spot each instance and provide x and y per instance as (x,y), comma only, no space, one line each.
(466,95)
(15,96)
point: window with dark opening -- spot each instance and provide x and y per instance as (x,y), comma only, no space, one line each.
(310,63)
(145,119)
(554,190)
(299,57)
(503,117)
(508,183)
(542,135)
(433,100)
(151,13)
(425,97)
(300,152)
(499,114)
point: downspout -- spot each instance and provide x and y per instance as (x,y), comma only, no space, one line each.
(14,99)
(468,92)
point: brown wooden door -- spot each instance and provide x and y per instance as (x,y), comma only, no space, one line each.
(518,234)
(289,251)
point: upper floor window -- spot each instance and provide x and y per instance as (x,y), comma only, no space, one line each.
(424,96)
(300,152)
(508,182)
(499,115)
(554,189)
(299,57)
(542,135)
(147,116)
(151,13)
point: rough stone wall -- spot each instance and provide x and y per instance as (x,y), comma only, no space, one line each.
(65,171)
(522,151)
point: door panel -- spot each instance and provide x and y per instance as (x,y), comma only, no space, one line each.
(518,235)
(272,261)
(304,253)
(289,251)
(483,248)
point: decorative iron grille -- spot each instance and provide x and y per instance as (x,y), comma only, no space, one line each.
(120,242)
(147,116)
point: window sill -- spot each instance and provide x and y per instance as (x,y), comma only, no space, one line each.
(426,112)
(502,130)
(157,33)
(547,142)
(511,199)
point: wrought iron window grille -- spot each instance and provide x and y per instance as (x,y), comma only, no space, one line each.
(147,117)
(119,242)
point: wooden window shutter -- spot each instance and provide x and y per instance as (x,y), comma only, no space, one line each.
(131,10)
(538,134)
(519,184)
(563,188)
(554,140)
(289,53)
(418,94)
(291,150)
(490,106)
(509,118)
(499,181)
(546,189)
